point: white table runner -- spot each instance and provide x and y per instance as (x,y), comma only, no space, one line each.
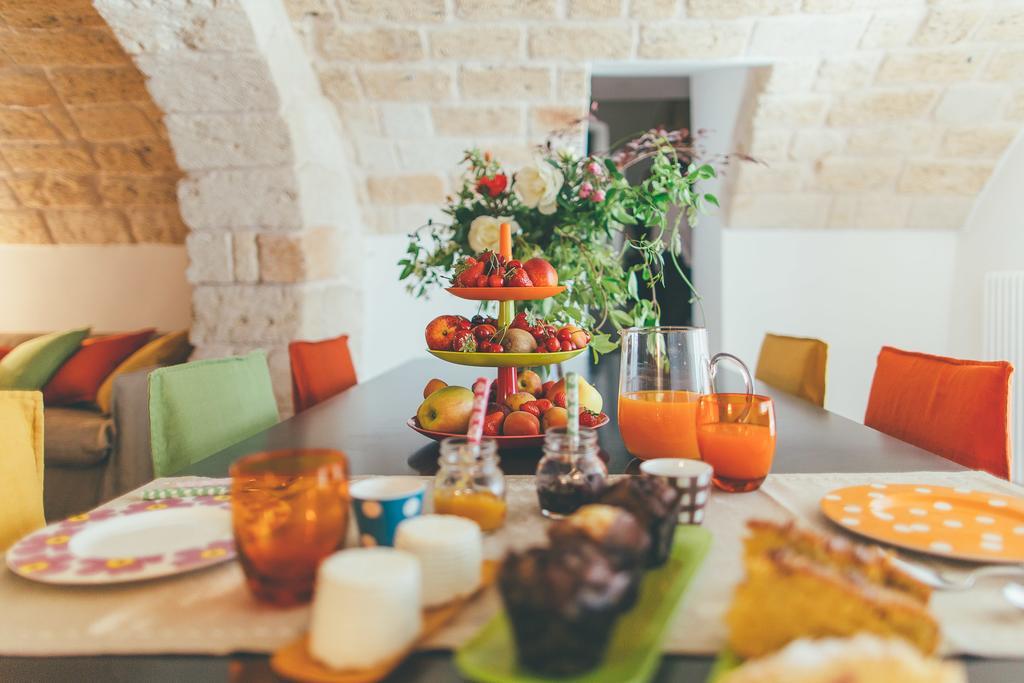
(210,612)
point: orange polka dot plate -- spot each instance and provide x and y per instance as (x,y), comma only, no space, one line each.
(128,541)
(957,523)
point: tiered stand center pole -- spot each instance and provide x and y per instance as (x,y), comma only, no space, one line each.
(506,311)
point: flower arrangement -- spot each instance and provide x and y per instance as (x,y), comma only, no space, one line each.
(571,210)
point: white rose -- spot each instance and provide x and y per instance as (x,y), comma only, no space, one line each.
(537,186)
(485,232)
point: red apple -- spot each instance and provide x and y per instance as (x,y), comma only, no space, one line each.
(519,423)
(541,273)
(440,330)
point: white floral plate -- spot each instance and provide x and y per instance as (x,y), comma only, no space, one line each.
(131,541)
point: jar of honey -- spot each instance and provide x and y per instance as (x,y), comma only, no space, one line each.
(469,482)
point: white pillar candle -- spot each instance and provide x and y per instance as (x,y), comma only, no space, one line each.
(450,550)
(366,608)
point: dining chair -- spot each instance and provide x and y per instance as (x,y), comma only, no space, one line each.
(795,365)
(320,370)
(21,465)
(959,409)
(199,408)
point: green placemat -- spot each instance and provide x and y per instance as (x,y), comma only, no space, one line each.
(635,649)
(726,661)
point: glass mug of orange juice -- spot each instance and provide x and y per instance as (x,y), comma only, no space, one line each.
(663,372)
(736,436)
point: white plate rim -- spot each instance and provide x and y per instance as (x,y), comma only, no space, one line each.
(50,545)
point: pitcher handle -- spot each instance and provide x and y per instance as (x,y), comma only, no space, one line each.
(747,381)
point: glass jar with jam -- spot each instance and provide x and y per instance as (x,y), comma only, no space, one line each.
(469,482)
(569,477)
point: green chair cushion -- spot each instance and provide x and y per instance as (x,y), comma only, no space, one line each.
(199,408)
(31,364)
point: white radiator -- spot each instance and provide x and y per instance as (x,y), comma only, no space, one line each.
(1003,339)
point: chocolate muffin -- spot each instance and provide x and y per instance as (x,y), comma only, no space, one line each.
(655,504)
(563,605)
(614,530)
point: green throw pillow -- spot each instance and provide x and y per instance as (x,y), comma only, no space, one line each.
(31,364)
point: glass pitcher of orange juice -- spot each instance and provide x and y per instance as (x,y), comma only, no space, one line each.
(663,373)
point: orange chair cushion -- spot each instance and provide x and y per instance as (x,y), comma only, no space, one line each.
(795,365)
(958,409)
(320,370)
(79,379)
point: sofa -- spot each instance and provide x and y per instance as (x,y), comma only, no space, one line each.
(90,457)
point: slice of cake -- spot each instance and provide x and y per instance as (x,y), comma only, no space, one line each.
(801,589)
(833,551)
(861,659)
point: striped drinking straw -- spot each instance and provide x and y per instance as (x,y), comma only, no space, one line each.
(481,391)
(572,405)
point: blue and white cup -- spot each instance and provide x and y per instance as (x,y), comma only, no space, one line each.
(691,477)
(382,503)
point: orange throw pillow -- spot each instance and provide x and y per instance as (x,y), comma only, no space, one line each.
(79,379)
(320,370)
(958,409)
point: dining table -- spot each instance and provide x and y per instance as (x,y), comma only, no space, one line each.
(368,423)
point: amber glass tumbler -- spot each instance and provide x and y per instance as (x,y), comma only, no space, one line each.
(736,436)
(289,511)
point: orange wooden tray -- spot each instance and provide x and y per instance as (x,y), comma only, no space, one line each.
(506,293)
(294,662)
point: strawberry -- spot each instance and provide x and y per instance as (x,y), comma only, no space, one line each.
(520,322)
(492,423)
(559,398)
(517,277)
(588,418)
(482,280)
(464,341)
(543,405)
(531,407)
(467,272)
(546,387)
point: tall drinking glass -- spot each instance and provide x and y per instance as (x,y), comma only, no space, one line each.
(736,435)
(289,511)
(663,372)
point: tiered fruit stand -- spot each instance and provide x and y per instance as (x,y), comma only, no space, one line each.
(505,362)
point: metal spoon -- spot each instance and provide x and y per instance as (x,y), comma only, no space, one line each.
(937,580)
(1014,593)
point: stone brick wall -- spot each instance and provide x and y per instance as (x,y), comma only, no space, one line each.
(84,155)
(275,228)
(874,113)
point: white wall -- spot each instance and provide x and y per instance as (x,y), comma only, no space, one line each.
(855,289)
(110,287)
(992,240)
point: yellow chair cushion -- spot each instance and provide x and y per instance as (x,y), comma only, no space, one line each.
(169,349)
(795,365)
(21,465)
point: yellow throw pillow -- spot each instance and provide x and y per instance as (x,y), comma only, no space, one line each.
(166,350)
(21,467)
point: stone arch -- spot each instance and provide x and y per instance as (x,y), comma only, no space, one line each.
(267,194)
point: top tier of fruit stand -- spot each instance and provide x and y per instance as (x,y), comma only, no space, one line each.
(506,296)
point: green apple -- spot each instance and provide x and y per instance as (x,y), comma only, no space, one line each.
(446,410)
